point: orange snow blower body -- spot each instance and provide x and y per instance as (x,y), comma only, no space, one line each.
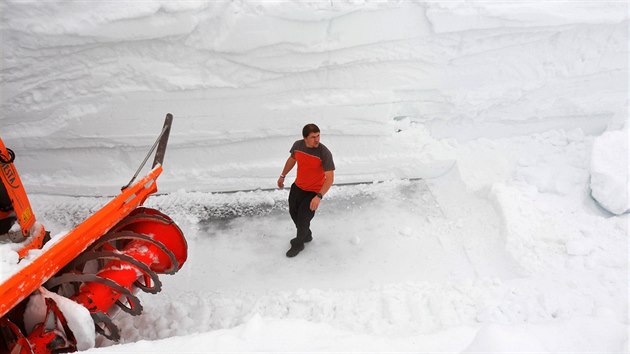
(131,245)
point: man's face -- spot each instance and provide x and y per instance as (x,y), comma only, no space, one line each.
(312,140)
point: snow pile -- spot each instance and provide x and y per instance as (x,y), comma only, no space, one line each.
(610,171)
(297,336)
(260,334)
(594,335)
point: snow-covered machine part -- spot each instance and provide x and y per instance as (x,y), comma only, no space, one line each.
(100,263)
(144,243)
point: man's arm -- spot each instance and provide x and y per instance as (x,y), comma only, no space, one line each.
(288,166)
(330,178)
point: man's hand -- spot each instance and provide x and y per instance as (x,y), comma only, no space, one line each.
(288,166)
(315,203)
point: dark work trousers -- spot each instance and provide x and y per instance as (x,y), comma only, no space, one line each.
(301,213)
(5,206)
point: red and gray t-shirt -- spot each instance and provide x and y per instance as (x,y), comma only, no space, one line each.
(312,162)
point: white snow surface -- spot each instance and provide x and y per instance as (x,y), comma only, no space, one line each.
(610,171)
(492,137)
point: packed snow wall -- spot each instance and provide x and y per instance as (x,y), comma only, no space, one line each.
(85,86)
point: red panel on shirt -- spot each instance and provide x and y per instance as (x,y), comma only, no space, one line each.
(310,173)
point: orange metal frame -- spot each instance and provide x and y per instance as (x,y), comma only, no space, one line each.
(59,252)
(34,233)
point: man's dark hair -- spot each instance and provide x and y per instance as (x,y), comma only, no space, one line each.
(309,128)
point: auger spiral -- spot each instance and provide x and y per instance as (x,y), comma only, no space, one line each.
(99,265)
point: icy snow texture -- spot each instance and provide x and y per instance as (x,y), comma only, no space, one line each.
(502,108)
(610,171)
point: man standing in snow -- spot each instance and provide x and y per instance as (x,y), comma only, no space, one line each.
(315,175)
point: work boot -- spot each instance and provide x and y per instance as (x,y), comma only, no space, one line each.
(295,249)
(309,238)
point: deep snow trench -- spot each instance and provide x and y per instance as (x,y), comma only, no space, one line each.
(388,259)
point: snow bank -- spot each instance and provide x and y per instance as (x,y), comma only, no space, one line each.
(260,334)
(85,87)
(581,335)
(610,171)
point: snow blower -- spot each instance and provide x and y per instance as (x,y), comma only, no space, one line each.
(100,264)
